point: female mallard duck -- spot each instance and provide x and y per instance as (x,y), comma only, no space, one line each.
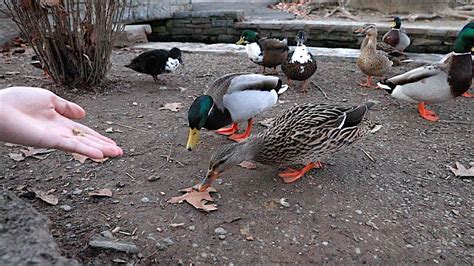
(303,134)
(438,82)
(300,64)
(156,62)
(232,99)
(264,51)
(371,61)
(397,37)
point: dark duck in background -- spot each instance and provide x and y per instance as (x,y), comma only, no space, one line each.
(157,62)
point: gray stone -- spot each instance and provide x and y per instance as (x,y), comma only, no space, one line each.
(66,207)
(77,191)
(164,243)
(222,23)
(145,200)
(114,245)
(107,234)
(220,231)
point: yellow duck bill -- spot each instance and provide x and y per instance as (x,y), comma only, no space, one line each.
(193,139)
(241,41)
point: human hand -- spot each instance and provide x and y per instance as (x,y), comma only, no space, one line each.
(37,117)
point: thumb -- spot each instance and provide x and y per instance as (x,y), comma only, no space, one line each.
(68,109)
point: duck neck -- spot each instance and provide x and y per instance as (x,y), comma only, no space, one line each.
(217,118)
(370,43)
(243,151)
(460,73)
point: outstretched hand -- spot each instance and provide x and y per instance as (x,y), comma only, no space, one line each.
(37,117)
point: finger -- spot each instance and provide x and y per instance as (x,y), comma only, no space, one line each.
(107,149)
(92,132)
(68,109)
(69,144)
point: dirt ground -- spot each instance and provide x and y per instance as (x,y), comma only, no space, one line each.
(403,207)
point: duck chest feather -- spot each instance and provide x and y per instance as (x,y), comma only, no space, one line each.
(460,74)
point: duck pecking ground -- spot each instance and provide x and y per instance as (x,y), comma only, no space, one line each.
(401,206)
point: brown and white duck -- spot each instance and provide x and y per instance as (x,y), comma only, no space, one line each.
(300,63)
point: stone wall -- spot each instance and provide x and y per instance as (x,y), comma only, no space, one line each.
(198,26)
(147,10)
(8,29)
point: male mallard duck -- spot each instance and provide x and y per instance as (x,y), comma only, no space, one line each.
(232,99)
(300,64)
(302,134)
(156,62)
(264,51)
(397,37)
(438,82)
(371,61)
(447,59)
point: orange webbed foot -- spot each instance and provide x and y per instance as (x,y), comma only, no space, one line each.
(227,131)
(427,114)
(291,175)
(239,137)
(468,95)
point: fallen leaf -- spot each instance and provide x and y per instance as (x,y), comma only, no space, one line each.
(462,171)
(245,231)
(196,198)
(50,199)
(173,107)
(49,3)
(177,225)
(16,156)
(104,192)
(247,165)
(34,152)
(82,158)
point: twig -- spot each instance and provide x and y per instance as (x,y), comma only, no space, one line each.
(122,125)
(456,122)
(38,78)
(367,154)
(320,89)
(168,157)
(130,176)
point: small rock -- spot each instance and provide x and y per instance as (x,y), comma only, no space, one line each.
(357,250)
(113,245)
(164,243)
(221,237)
(194,245)
(220,231)
(107,234)
(120,184)
(455,212)
(409,246)
(204,255)
(358,211)
(153,178)
(66,207)
(145,200)
(192,228)
(77,191)
(325,243)
(284,202)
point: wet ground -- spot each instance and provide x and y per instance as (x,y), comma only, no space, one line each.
(404,206)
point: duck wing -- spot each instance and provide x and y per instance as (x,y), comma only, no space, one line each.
(419,74)
(150,62)
(274,45)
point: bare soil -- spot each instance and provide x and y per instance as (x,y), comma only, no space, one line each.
(403,207)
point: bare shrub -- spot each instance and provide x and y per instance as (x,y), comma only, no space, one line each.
(72,38)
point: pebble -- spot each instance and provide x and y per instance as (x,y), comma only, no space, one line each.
(357,250)
(325,243)
(220,231)
(66,207)
(455,212)
(164,243)
(145,200)
(113,245)
(153,178)
(222,237)
(107,234)
(120,184)
(284,202)
(77,191)
(358,211)
(192,228)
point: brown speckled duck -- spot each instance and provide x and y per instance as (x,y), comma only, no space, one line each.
(267,52)
(397,37)
(371,61)
(303,135)
(300,64)
(436,83)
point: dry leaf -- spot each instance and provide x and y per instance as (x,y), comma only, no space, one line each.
(247,165)
(245,231)
(82,158)
(197,199)
(173,107)
(16,156)
(105,192)
(51,199)
(462,171)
